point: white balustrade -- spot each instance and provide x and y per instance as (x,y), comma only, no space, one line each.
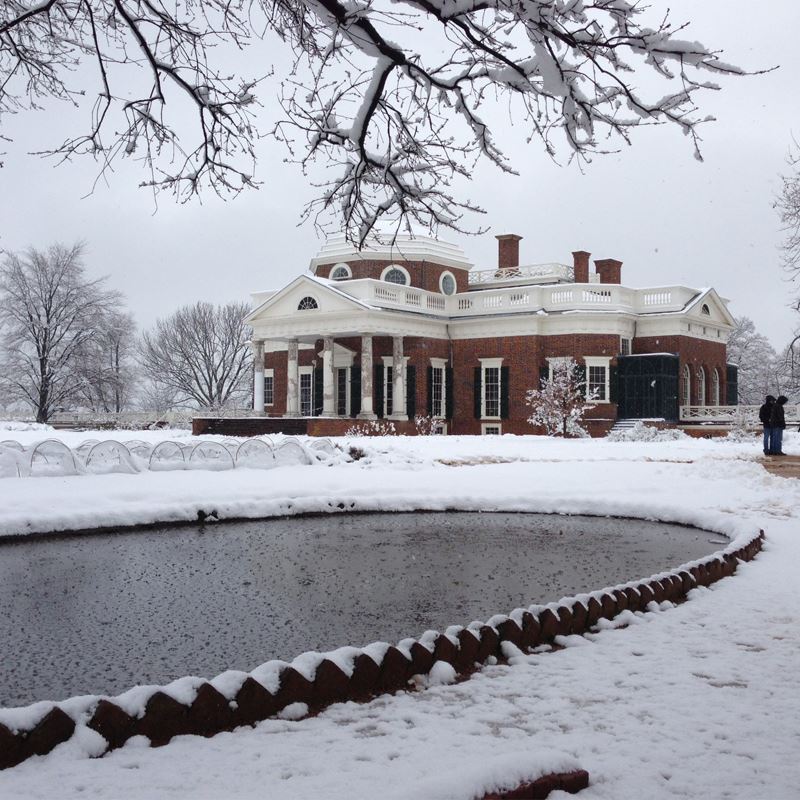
(552,272)
(747,415)
(518,298)
(596,296)
(659,298)
(561,296)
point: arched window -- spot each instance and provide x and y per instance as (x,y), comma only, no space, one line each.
(447,283)
(340,272)
(705,310)
(701,386)
(687,386)
(715,387)
(396,274)
(307,303)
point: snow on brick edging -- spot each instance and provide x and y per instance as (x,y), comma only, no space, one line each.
(312,681)
(570,782)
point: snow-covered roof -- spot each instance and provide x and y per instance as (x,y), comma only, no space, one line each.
(403,248)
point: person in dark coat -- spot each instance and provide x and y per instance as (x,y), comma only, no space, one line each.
(777,421)
(765,415)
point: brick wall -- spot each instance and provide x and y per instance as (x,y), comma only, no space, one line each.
(524,356)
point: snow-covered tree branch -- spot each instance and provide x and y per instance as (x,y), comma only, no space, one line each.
(394,101)
(758,363)
(788,205)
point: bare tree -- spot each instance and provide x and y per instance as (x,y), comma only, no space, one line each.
(559,405)
(153,396)
(106,367)
(49,312)
(398,96)
(201,353)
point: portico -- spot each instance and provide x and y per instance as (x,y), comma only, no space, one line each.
(321,383)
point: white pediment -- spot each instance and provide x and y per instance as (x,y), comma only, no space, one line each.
(709,307)
(299,297)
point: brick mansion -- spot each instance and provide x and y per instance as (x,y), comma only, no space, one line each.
(391,332)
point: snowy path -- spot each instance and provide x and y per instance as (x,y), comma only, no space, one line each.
(697,701)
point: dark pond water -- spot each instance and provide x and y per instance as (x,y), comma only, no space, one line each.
(101,613)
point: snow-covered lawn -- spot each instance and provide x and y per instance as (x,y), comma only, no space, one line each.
(697,701)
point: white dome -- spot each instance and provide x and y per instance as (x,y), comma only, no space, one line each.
(404,248)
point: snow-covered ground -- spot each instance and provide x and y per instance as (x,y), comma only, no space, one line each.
(696,701)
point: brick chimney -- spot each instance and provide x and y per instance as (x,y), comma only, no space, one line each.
(507,250)
(609,270)
(580,263)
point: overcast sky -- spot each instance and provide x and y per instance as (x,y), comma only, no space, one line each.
(669,218)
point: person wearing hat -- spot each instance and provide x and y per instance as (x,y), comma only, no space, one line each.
(777,421)
(764,415)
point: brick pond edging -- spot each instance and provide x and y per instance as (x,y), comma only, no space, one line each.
(570,782)
(313,681)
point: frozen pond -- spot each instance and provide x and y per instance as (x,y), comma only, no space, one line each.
(101,613)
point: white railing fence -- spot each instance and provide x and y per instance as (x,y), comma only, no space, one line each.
(553,271)
(733,415)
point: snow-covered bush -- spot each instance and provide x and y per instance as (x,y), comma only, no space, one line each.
(561,402)
(19,425)
(646,433)
(743,429)
(740,434)
(372,427)
(428,426)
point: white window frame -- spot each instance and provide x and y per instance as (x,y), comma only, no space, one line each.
(341,265)
(388,383)
(300,372)
(440,364)
(405,272)
(687,385)
(629,340)
(347,378)
(605,363)
(491,429)
(308,297)
(701,385)
(445,274)
(269,375)
(715,387)
(491,363)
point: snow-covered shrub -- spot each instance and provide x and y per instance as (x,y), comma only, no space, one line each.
(21,425)
(372,427)
(646,433)
(428,426)
(742,429)
(560,403)
(740,434)
(356,453)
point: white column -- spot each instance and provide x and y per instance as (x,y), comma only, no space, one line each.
(292,381)
(258,375)
(398,380)
(328,400)
(367,411)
